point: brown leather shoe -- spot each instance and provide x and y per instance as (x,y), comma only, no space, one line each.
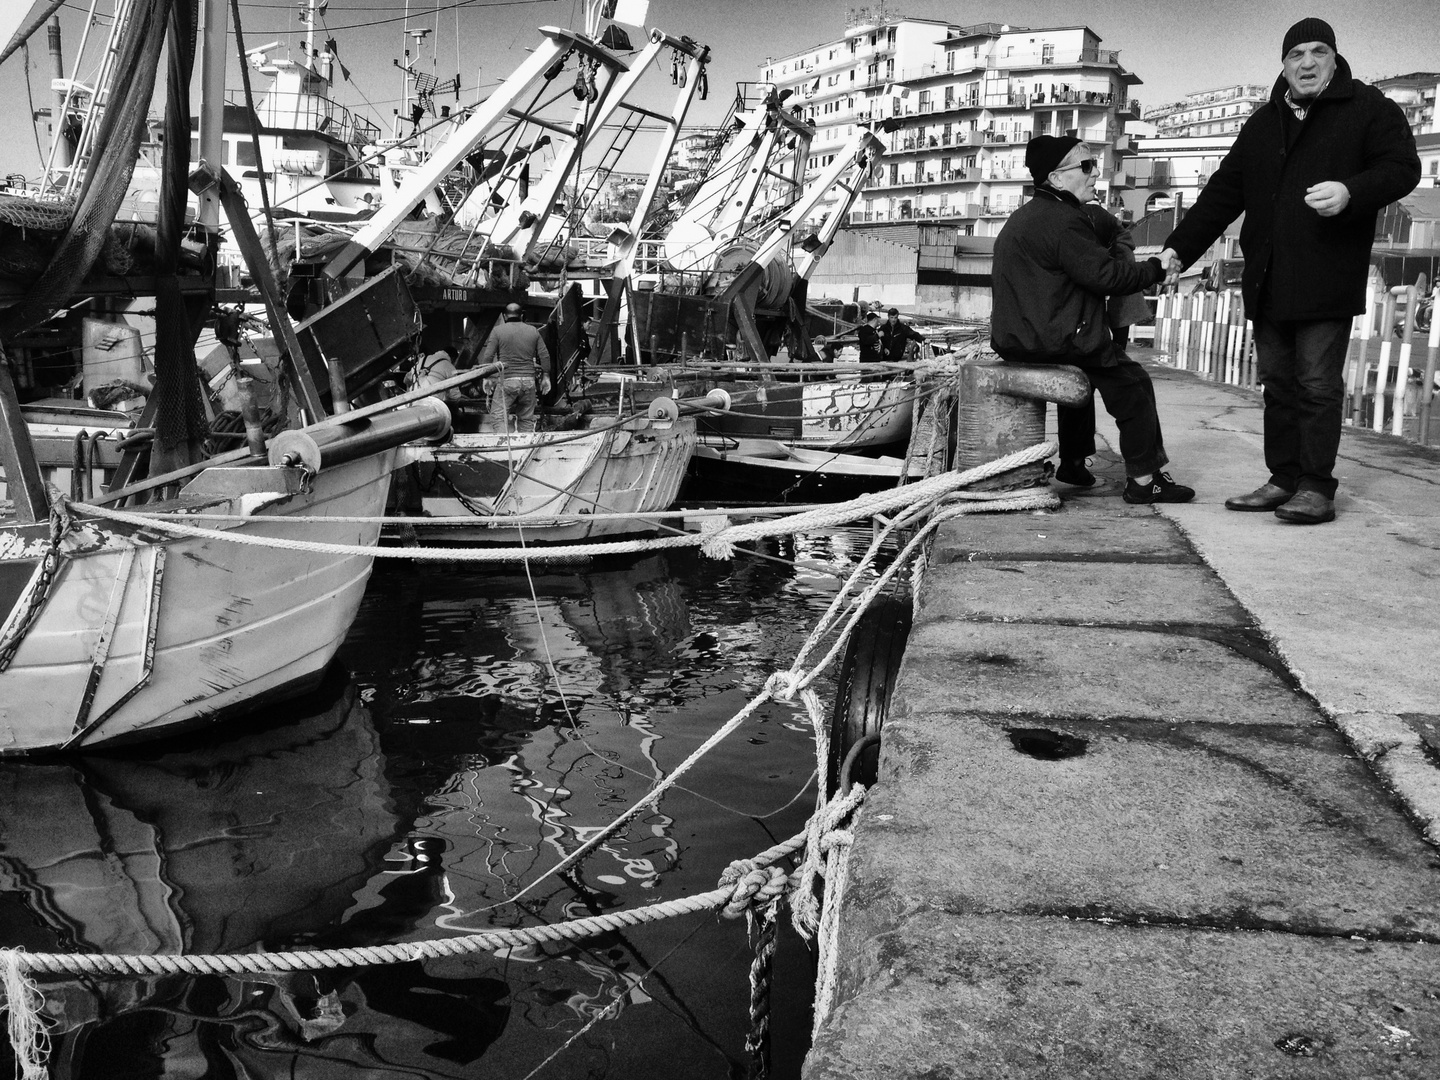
(1307,508)
(1265,497)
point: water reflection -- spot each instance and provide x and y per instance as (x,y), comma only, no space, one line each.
(496,720)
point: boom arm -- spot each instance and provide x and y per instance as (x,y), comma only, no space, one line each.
(555,44)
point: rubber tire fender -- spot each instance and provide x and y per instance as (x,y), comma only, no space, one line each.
(867,679)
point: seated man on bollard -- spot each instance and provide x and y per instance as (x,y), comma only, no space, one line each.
(1051,276)
(521,349)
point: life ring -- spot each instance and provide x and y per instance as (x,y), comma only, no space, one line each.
(867,679)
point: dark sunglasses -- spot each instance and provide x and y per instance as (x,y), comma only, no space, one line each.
(1087,166)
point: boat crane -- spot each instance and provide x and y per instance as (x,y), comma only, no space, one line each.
(764,302)
(526,217)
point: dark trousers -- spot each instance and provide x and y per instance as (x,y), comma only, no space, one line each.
(1129,397)
(1302,367)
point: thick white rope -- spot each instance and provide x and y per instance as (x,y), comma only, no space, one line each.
(718,543)
(96,964)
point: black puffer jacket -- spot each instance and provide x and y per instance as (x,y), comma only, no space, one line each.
(1051,276)
(1311,267)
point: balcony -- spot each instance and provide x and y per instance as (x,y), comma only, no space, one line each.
(1069,58)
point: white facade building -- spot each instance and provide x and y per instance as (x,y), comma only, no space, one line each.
(1209,112)
(964,100)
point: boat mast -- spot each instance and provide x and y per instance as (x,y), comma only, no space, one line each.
(215,40)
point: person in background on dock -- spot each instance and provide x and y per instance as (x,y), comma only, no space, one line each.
(895,336)
(515,389)
(869,334)
(1309,170)
(1050,280)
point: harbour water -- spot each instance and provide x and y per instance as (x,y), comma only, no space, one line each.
(483,723)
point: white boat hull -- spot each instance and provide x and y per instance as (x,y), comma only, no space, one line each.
(229,626)
(553,486)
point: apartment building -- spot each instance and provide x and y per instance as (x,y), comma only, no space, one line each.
(965,101)
(1415,93)
(1209,112)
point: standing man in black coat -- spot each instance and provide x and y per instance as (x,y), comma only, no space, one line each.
(869,337)
(1050,279)
(895,335)
(1310,170)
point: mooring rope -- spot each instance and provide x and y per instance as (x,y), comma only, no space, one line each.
(717,540)
(24,963)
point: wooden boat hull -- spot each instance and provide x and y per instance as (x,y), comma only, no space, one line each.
(560,480)
(141,634)
(746,470)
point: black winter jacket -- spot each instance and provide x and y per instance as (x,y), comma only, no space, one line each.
(1051,276)
(1309,267)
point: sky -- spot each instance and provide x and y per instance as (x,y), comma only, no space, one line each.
(1174,46)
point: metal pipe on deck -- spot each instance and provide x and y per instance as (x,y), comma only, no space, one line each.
(319,447)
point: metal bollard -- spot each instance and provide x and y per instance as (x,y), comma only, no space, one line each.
(1002,410)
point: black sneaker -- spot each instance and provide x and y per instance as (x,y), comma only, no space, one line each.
(1075,474)
(1160,489)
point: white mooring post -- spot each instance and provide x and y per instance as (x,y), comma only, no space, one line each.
(1355,386)
(1382,365)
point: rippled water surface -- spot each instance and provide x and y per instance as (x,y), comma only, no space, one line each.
(483,724)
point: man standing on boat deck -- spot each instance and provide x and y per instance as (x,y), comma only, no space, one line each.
(1050,280)
(895,335)
(1309,170)
(869,334)
(521,349)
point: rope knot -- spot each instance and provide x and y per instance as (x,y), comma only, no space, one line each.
(751,886)
(60,517)
(712,540)
(782,685)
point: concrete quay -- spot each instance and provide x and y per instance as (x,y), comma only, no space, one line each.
(1156,785)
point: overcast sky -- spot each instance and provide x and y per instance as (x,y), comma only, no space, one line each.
(1174,46)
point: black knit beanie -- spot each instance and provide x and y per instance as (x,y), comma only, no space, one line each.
(1044,152)
(1307,30)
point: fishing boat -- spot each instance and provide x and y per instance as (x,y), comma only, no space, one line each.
(594,478)
(550,486)
(114,629)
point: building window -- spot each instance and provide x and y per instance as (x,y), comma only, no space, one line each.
(1047,54)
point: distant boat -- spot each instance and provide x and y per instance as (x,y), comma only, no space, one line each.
(771,470)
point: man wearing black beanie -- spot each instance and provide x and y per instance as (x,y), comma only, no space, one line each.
(1050,279)
(1310,170)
